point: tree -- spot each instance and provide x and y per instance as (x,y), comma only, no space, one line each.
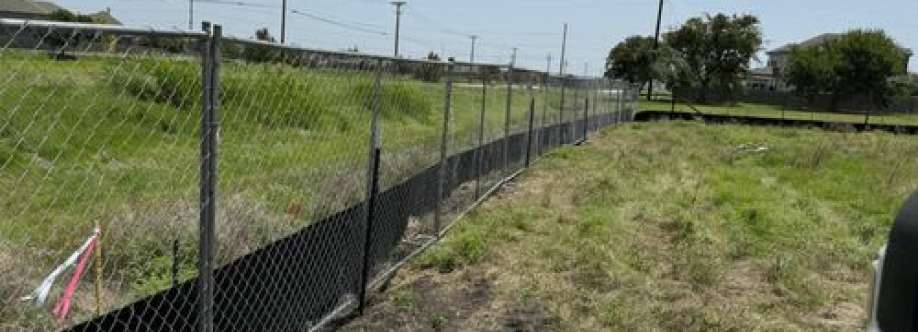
(264,35)
(262,53)
(860,62)
(63,15)
(432,70)
(62,39)
(716,52)
(632,60)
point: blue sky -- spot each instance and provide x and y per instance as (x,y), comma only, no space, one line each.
(534,26)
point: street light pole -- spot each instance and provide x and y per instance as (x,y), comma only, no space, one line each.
(563,50)
(656,44)
(472,54)
(398,22)
(190,15)
(283,34)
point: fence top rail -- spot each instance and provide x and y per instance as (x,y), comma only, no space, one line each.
(179,33)
(103,28)
(247,41)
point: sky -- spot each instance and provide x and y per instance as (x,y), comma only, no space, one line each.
(532,26)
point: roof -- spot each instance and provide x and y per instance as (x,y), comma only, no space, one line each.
(25,7)
(819,40)
(44,8)
(49,7)
(105,17)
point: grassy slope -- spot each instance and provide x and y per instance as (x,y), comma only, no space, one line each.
(116,141)
(669,226)
(771,111)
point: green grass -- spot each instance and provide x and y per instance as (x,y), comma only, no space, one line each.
(778,112)
(675,226)
(115,141)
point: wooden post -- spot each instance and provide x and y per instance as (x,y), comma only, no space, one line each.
(98,269)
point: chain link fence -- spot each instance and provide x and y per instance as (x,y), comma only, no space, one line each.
(218,183)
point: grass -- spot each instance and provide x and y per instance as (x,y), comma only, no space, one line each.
(670,226)
(778,112)
(115,141)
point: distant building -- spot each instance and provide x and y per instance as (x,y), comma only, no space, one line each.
(27,9)
(42,10)
(105,17)
(779,60)
(761,79)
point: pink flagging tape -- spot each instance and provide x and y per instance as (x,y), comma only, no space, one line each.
(63,304)
(40,294)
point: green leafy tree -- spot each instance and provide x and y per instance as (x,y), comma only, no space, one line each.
(860,62)
(262,53)
(716,52)
(632,60)
(432,70)
(61,40)
(63,15)
(264,35)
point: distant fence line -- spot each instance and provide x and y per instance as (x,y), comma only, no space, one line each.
(852,104)
(318,173)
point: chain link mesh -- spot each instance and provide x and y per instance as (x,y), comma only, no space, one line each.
(97,129)
(333,169)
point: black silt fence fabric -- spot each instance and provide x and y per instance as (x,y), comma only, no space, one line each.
(286,285)
(296,281)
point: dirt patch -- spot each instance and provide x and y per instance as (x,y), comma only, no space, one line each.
(428,301)
(529,316)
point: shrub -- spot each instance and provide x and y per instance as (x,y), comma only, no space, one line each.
(399,99)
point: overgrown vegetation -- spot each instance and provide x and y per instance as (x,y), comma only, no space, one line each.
(779,112)
(115,140)
(859,62)
(669,226)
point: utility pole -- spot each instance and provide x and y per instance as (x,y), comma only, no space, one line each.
(284,22)
(190,15)
(561,73)
(656,44)
(472,54)
(398,21)
(563,50)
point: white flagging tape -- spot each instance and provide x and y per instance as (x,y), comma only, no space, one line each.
(40,294)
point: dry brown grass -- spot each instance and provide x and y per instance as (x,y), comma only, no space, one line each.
(667,226)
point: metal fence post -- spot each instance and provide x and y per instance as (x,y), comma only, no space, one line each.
(610,111)
(672,106)
(544,113)
(375,152)
(209,126)
(441,179)
(481,123)
(529,134)
(561,132)
(506,157)
(586,117)
(618,104)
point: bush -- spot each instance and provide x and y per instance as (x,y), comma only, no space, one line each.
(269,94)
(399,99)
(173,82)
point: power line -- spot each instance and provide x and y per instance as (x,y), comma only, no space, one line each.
(338,23)
(441,28)
(356,26)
